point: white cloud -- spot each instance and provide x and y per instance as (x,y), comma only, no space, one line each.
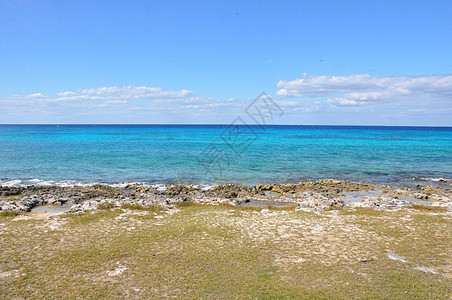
(67,94)
(355,99)
(110,95)
(295,106)
(142,98)
(345,102)
(29,96)
(363,89)
(137,92)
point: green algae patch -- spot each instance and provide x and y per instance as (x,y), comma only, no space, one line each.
(224,252)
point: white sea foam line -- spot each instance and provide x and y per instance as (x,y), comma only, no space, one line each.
(40,182)
(123,184)
(11,183)
(434,179)
(72,183)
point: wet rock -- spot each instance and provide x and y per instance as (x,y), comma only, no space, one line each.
(317,195)
(105,189)
(140,188)
(231,190)
(178,189)
(10,191)
(438,193)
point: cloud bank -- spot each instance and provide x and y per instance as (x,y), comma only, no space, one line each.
(113,95)
(365,89)
(113,104)
(359,99)
(128,92)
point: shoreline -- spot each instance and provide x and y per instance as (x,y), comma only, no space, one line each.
(309,196)
(324,239)
(206,184)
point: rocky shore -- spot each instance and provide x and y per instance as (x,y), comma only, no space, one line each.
(313,240)
(310,196)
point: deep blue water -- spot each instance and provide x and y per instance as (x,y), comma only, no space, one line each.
(211,154)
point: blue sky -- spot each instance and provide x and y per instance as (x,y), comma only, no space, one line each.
(323,62)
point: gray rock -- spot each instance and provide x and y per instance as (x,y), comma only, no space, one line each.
(381,202)
(315,201)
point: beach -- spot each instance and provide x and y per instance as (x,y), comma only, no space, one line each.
(189,243)
(225,150)
(176,212)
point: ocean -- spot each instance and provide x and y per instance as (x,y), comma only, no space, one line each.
(215,154)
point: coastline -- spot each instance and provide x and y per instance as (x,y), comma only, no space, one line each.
(203,155)
(183,242)
(309,196)
(323,239)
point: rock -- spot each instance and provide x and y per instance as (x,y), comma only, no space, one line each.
(441,198)
(10,191)
(366,260)
(140,188)
(231,190)
(314,196)
(231,194)
(117,271)
(316,201)
(381,202)
(425,269)
(395,256)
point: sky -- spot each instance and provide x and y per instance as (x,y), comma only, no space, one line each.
(205,62)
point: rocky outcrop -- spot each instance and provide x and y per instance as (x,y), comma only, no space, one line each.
(437,193)
(95,204)
(315,201)
(331,187)
(318,195)
(430,192)
(231,191)
(381,202)
(10,191)
(33,196)
(140,188)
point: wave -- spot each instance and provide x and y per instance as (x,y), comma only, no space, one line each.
(440,179)
(405,180)
(72,183)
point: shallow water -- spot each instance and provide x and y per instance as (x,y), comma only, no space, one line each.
(52,209)
(267,204)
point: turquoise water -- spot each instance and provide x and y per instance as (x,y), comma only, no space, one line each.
(183,154)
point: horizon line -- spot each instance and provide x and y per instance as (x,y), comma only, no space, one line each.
(207,124)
